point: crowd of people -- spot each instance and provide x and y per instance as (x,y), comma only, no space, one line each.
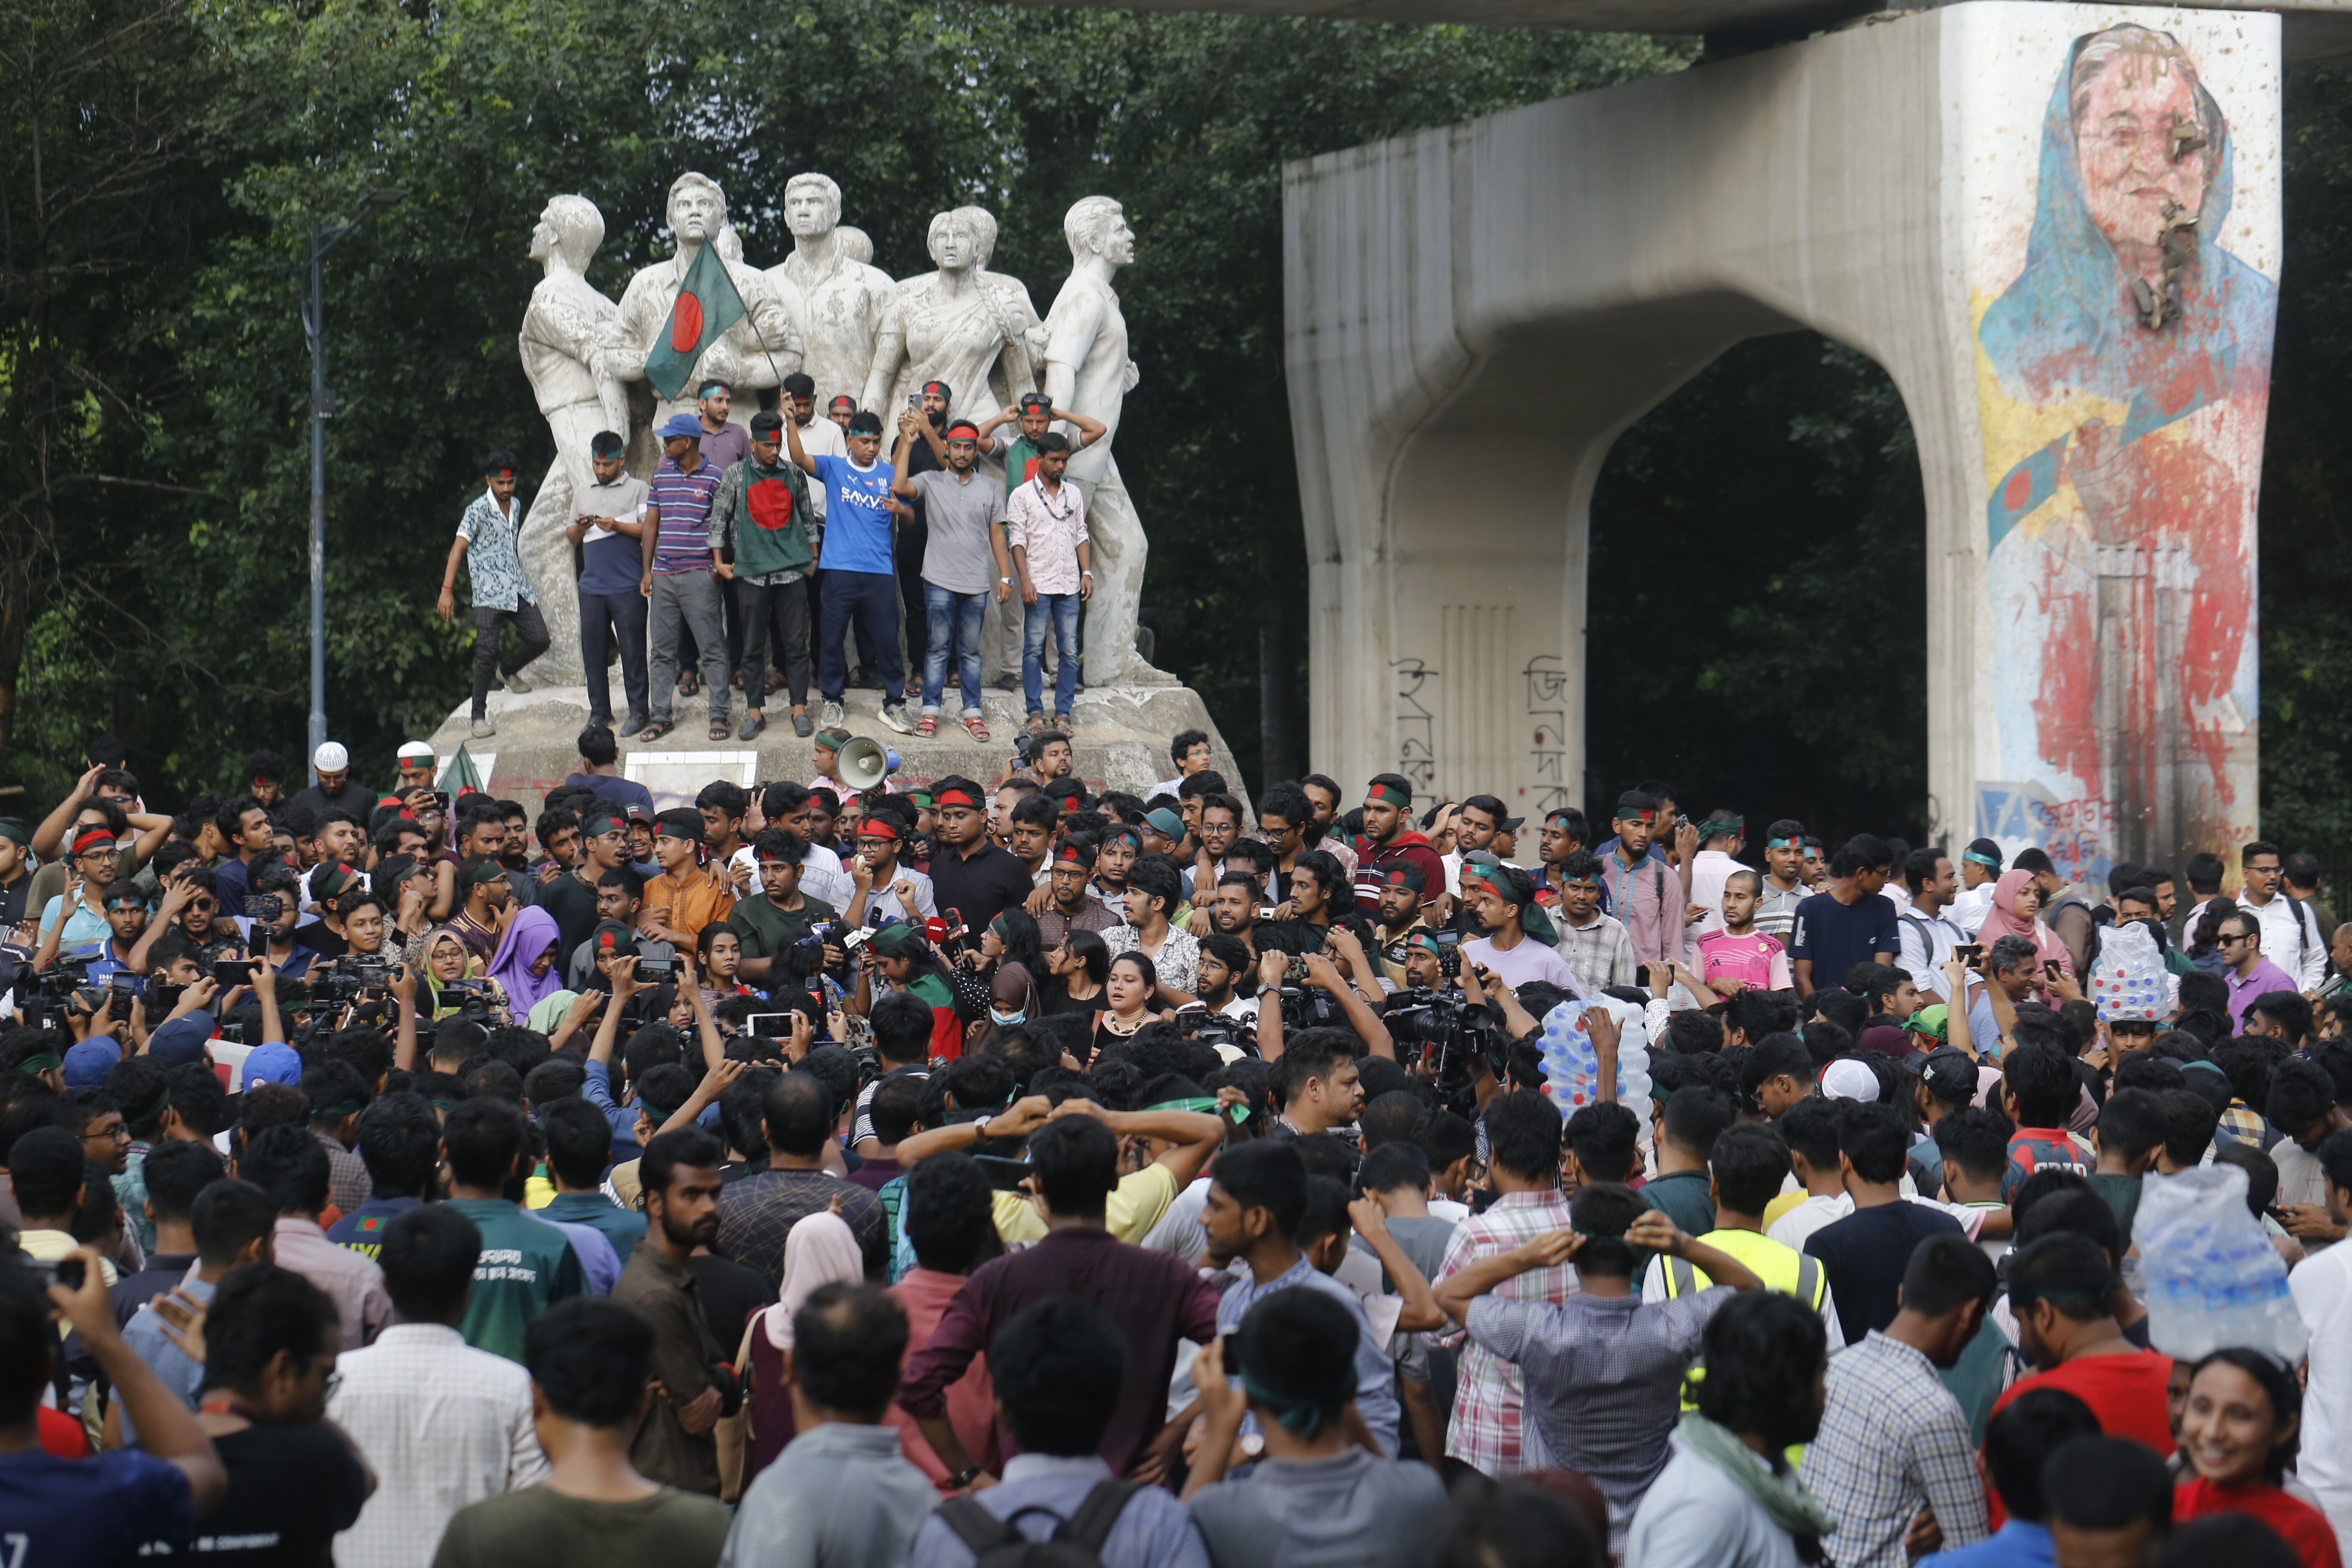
(1004,1171)
(758,553)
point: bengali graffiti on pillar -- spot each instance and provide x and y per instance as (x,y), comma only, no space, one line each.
(1416,725)
(2122,286)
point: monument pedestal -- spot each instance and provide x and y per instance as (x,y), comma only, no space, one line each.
(1121,741)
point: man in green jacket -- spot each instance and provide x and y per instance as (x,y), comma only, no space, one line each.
(762,513)
(527,1265)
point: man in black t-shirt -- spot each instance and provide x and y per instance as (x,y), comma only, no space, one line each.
(1865,1253)
(970,876)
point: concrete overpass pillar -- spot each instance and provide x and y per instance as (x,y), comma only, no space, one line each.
(2055,226)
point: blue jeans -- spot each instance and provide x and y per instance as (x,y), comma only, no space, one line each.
(955,629)
(871,599)
(1063,609)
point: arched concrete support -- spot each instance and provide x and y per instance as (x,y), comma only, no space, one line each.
(1474,314)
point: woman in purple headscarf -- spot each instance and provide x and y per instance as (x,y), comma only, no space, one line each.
(524,965)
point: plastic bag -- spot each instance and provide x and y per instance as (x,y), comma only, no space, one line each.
(2210,1275)
(2127,978)
(1572,1067)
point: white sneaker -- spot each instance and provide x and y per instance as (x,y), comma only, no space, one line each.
(516,682)
(484,728)
(894,715)
(830,715)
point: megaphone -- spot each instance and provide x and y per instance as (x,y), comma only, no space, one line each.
(864,764)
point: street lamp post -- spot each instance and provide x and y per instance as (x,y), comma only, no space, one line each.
(323,238)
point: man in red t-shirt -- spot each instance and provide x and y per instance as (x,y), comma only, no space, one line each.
(2061,1289)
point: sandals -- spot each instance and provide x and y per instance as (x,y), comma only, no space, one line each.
(928,725)
(688,684)
(1037,724)
(977,728)
(720,730)
(656,730)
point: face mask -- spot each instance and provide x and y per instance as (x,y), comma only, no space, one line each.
(1007,1020)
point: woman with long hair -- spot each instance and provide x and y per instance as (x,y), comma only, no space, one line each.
(2239,1431)
(1133,986)
(1081,970)
(1010,946)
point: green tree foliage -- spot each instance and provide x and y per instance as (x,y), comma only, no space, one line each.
(173,609)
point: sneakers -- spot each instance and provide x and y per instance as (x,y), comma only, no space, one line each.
(801,726)
(1008,681)
(484,728)
(894,715)
(517,683)
(830,713)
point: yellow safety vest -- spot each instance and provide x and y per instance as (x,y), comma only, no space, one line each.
(1782,1268)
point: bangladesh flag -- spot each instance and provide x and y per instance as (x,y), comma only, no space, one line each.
(707,306)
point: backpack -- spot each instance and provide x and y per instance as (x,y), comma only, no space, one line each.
(1076,1541)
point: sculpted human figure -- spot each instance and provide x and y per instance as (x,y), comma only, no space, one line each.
(758,351)
(1087,372)
(562,328)
(963,325)
(836,300)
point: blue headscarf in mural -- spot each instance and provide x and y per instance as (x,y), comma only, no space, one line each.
(2069,324)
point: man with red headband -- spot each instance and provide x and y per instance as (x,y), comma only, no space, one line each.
(930,413)
(886,890)
(486,543)
(962,556)
(1387,823)
(974,878)
(760,525)
(1072,906)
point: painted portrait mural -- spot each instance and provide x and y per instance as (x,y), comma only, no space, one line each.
(2123,323)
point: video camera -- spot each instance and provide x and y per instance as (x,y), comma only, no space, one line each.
(1454,1033)
(354,975)
(52,989)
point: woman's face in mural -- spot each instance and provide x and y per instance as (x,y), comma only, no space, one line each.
(2124,138)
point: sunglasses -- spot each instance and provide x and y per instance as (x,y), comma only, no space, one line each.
(200,903)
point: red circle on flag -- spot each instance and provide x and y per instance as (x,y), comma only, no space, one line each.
(2018,491)
(686,324)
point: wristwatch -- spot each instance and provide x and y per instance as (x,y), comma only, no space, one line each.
(963,1477)
(979,1130)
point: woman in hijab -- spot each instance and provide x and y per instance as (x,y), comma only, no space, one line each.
(524,965)
(2014,911)
(447,960)
(820,1250)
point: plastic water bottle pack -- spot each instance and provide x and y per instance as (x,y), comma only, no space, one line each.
(1572,1067)
(2211,1277)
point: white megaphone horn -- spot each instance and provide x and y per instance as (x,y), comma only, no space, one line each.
(864,764)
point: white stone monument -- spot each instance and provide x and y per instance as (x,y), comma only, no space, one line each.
(758,351)
(963,325)
(836,300)
(1087,372)
(562,329)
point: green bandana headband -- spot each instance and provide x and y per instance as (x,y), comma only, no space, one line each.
(1992,862)
(1797,844)
(16,832)
(48,1061)
(1390,794)
(156,1112)
(1723,827)
(1302,1418)
(1204,1104)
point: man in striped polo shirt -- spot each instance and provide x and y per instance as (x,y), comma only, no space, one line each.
(677,577)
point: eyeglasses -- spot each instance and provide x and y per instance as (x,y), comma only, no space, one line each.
(117,1133)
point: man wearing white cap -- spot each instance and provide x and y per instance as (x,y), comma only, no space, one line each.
(336,789)
(417,765)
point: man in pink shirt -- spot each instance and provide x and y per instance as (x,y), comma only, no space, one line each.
(2250,974)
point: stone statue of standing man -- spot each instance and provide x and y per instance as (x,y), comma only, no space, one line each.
(758,351)
(836,300)
(562,330)
(1087,372)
